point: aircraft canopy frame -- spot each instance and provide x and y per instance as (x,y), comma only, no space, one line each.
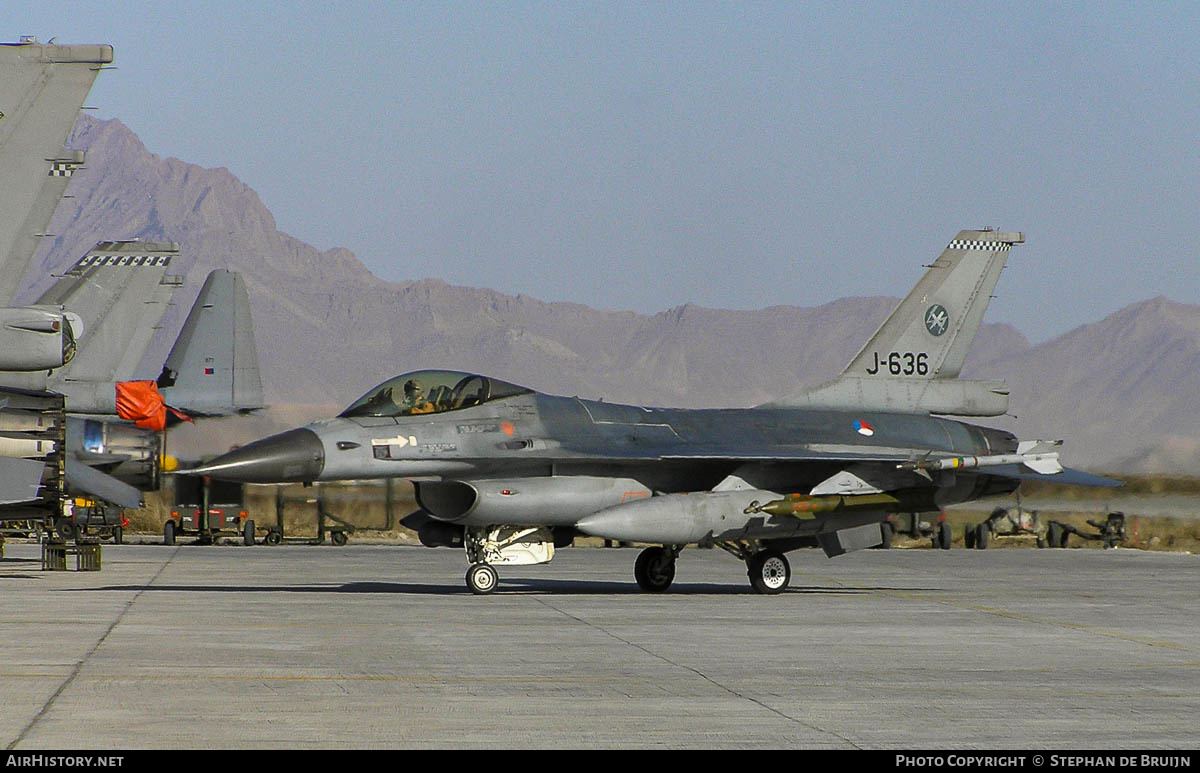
(429,392)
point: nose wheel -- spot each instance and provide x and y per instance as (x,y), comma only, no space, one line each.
(482,579)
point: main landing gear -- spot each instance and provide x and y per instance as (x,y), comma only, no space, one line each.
(654,569)
(768,570)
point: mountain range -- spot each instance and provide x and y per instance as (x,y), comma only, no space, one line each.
(1121,390)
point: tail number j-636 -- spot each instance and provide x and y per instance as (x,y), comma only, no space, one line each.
(902,364)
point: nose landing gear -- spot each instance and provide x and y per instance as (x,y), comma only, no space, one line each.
(482,579)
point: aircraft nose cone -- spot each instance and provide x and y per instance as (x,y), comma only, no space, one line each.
(293,456)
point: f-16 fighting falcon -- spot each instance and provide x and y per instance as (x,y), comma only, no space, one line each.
(508,473)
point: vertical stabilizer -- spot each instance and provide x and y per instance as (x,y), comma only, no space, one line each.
(213,367)
(42,88)
(941,315)
(912,362)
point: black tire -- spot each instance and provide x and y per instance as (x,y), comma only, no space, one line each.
(482,579)
(945,538)
(1055,535)
(338,538)
(887,533)
(67,529)
(969,537)
(654,569)
(982,532)
(274,537)
(118,535)
(769,572)
(248,532)
(169,533)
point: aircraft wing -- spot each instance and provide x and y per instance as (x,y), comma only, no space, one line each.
(885,458)
(800,455)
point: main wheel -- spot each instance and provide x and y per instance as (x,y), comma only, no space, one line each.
(482,579)
(118,535)
(338,538)
(248,532)
(969,537)
(944,536)
(274,537)
(769,572)
(654,569)
(169,533)
(981,536)
(886,532)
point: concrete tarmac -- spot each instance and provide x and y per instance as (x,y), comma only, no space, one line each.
(383,646)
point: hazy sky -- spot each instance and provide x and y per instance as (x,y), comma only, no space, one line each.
(643,155)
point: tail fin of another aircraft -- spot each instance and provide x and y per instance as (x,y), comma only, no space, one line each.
(212,369)
(912,362)
(119,291)
(42,88)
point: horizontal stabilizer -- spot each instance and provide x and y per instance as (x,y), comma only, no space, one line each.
(212,369)
(88,480)
(1068,476)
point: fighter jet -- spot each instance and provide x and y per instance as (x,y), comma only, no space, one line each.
(508,473)
(77,348)
(116,296)
(42,88)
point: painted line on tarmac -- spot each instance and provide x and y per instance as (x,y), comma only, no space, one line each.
(697,672)
(925,596)
(79,666)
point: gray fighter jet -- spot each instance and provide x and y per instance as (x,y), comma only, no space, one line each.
(115,298)
(78,346)
(508,473)
(42,88)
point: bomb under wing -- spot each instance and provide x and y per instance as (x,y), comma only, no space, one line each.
(809,506)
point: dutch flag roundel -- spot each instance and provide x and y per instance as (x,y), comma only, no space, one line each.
(862,428)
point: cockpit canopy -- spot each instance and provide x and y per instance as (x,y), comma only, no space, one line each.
(430,391)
